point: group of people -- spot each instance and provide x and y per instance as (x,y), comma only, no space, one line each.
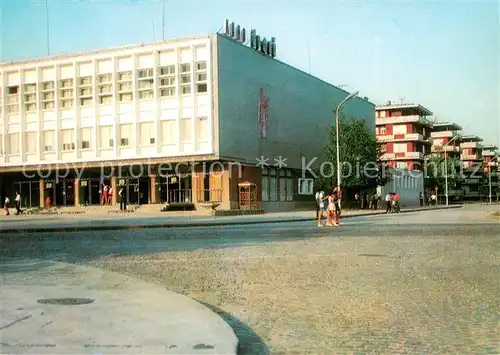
(107,194)
(392,203)
(365,202)
(17,200)
(329,205)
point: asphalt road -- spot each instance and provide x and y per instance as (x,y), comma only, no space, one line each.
(419,264)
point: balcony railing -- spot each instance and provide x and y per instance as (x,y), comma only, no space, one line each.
(444,134)
(470,157)
(401,137)
(488,153)
(403,155)
(403,119)
(448,148)
(470,145)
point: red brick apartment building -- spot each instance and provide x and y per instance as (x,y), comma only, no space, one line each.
(404,134)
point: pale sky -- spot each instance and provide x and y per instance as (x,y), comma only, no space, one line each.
(443,55)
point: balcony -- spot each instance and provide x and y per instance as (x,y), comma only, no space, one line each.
(471,145)
(448,148)
(403,119)
(470,157)
(403,156)
(471,181)
(402,137)
(489,153)
(444,134)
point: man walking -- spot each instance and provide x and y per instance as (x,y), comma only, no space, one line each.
(388,203)
(123,198)
(319,198)
(6,205)
(18,203)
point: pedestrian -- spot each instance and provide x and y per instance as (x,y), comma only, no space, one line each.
(433,199)
(365,201)
(48,203)
(356,198)
(331,217)
(388,202)
(18,203)
(123,198)
(375,200)
(338,212)
(6,205)
(319,198)
(110,195)
(421,198)
(322,208)
(397,205)
(104,194)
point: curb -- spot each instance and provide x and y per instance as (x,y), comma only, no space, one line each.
(198,224)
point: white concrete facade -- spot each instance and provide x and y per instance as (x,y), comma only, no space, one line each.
(142,101)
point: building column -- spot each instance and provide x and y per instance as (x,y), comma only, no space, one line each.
(114,186)
(76,189)
(153,189)
(42,193)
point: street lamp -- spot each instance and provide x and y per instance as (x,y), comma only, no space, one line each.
(446,168)
(489,174)
(350,96)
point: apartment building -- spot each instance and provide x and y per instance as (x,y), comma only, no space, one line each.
(491,182)
(170,121)
(472,165)
(446,139)
(404,134)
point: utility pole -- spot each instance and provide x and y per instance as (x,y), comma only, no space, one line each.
(48,26)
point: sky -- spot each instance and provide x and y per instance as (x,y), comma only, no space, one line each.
(444,55)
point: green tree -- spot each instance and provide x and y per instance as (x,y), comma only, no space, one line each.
(436,169)
(359,156)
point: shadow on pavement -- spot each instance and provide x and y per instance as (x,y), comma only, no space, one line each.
(249,343)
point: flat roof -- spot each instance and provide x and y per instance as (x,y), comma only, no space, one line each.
(490,147)
(451,125)
(392,106)
(471,138)
(101,51)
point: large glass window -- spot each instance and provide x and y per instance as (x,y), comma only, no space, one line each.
(126,135)
(13,143)
(106,140)
(48,143)
(68,139)
(86,138)
(169,132)
(30,142)
(147,130)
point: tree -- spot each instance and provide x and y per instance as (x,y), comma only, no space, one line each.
(436,169)
(359,156)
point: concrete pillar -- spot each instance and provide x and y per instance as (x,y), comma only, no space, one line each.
(114,186)
(42,193)
(76,189)
(154,193)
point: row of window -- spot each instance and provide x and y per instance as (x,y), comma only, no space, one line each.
(166,82)
(168,134)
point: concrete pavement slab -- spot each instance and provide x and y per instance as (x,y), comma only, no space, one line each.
(125,316)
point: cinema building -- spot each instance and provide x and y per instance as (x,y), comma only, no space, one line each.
(172,121)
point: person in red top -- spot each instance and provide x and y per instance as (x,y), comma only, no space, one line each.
(397,207)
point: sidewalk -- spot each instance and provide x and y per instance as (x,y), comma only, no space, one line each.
(75,223)
(127,316)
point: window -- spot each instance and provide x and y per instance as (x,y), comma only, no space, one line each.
(399,129)
(145,84)
(147,130)
(125,76)
(67,83)
(68,103)
(1,144)
(126,135)
(12,99)
(30,107)
(30,142)
(146,95)
(168,132)
(186,129)
(12,143)
(401,165)
(125,87)
(167,81)
(30,88)
(68,139)
(104,78)
(48,85)
(201,77)
(202,129)
(289,188)
(86,92)
(185,78)
(86,81)
(306,186)
(13,90)
(383,148)
(145,73)
(106,137)
(105,89)
(12,109)
(87,101)
(383,130)
(86,138)
(265,188)
(400,147)
(106,100)
(48,141)
(125,97)
(48,95)
(283,187)
(67,93)
(49,105)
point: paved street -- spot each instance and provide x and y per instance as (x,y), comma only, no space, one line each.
(410,283)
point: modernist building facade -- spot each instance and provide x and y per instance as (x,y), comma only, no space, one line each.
(171,121)
(403,132)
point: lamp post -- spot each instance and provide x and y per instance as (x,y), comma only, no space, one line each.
(446,168)
(350,96)
(489,174)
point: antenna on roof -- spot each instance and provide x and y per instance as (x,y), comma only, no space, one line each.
(401,99)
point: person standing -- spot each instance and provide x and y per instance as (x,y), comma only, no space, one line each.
(319,198)
(397,206)
(104,194)
(6,205)
(110,195)
(356,198)
(421,198)
(18,203)
(322,209)
(337,197)
(388,202)
(123,198)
